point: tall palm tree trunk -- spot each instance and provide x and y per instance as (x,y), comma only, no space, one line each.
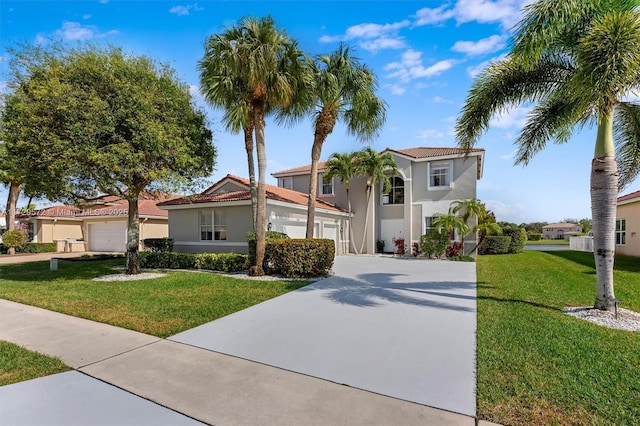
(316,149)
(261,210)
(352,242)
(366,219)
(248,146)
(133,238)
(604,193)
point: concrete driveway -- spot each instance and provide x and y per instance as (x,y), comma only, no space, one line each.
(404,328)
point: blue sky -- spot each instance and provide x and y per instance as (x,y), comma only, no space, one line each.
(425,54)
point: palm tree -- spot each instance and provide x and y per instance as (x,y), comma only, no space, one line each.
(224,87)
(269,69)
(469,208)
(575,60)
(450,222)
(342,166)
(344,91)
(377,168)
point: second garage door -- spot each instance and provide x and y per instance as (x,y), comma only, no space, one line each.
(109,236)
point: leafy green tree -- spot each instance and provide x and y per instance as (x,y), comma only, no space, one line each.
(586,225)
(344,90)
(576,61)
(270,71)
(343,166)
(102,121)
(12,176)
(376,167)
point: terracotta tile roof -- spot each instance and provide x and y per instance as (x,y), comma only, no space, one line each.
(301,169)
(273,193)
(419,152)
(426,152)
(114,207)
(561,225)
(630,196)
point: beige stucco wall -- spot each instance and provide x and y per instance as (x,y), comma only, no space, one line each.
(49,230)
(631,213)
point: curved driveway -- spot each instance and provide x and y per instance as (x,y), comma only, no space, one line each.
(398,327)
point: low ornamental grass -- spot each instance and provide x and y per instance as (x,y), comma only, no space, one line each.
(18,364)
(537,365)
(161,306)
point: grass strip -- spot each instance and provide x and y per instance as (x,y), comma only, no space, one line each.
(18,364)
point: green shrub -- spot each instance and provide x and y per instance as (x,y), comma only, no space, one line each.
(37,248)
(534,237)
(158,244)
(495,244)
(462,258)
(301,257)
(251,240)
(518,239)
(226,262)
(14,238)
(434,243)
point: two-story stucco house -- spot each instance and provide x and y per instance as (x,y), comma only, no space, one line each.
(429,180)
(628,224)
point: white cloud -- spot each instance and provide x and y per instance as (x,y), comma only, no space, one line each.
(430,134)
(509,156)
(77,31)
(86,16)
(512,212)
(411,67)
(631,97)
(480,47)
(477,69)
(373,37)
(396,89)
(440,100)
(506,12)
(513,118)
(185,10)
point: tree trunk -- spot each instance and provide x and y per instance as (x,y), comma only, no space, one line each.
(366,219)
(352,241)
(133,238)
(261,211)
(313,186)
(12,204)
(248,146)
(604,194)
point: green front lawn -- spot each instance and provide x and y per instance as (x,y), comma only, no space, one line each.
(18,364)
(161,306)
(537,365)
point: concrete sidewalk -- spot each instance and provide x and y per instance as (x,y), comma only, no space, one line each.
(39,257)
(185,382)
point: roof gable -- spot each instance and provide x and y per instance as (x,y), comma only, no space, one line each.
(629,198)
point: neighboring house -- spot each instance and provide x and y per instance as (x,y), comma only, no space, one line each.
(99,226)
(218,219)
(429,180)
(560,231)
(628,225)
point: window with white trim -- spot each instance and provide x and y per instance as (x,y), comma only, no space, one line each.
(285,182)
(396,195)
(213,225)
(327,187)
(621,232)
(427,225)
(440,174)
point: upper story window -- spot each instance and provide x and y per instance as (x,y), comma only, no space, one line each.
(327,187)
(440,174)
(396,195)
(213,225)
(621,231)
(285,182)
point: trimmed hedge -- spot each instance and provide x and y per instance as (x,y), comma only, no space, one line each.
(518,239)
(225,262)
(38,248)
(301,257)
(14,238)
(495,244)
(158,244)
(434,243)
(534,237)
(251,240)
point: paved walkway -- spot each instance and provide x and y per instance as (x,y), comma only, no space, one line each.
(38,257)
(190,384)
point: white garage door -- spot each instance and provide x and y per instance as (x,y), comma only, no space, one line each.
(330,232)
(110,236)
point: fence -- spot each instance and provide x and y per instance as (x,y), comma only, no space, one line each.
(581,243)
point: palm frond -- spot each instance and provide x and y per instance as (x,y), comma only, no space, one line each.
(627,140)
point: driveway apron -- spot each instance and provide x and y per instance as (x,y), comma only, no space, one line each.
(404,328)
